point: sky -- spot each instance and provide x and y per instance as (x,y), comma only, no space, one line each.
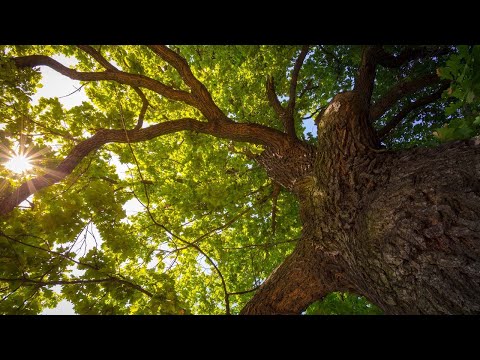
(57,85)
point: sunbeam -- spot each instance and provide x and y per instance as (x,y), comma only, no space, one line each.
(19,164)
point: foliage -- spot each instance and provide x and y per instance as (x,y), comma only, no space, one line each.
(80,240)
(464,71)
(343,304)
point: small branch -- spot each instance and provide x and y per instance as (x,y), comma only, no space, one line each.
(79,281)
(57,282)
(397,119)
(55,253)
(309,87)
(73,92)
(261,245)
(196,247)
(337,60)
(320,111)
(52,131)
(229,222)
(245,291)
(398,91)
(286,114)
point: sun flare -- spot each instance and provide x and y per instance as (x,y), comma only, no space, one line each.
(18,164)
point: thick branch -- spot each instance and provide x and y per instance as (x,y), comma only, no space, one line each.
(293,286)
(397,119)
(121,77)
(204,101)
(292,93)
(181,65)
(399,91)
(376,55)
(365,80)
(98,57)
(253,133)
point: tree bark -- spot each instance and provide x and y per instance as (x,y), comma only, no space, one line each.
(400,228)
(305,276)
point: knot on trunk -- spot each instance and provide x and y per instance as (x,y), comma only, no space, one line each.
(288,166)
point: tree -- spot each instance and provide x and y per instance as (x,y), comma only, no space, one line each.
(242,212)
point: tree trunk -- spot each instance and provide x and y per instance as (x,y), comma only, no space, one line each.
(400,228)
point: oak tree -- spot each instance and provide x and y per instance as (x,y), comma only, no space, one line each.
(242,209)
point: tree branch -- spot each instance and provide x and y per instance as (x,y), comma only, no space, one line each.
(399,91)
(301,279)
(55,253)
(244,291)
(253,133)
(289,118)
(332,55)
(81,281)
(204,101)
(376,55)
(228,223)
(292,93)
(208,258)
(365,80)
(121,77)
(412,53)
(143,110)
(286,114)
(273,99)
(57,282)
(98,57)
(397,119)
(107,65)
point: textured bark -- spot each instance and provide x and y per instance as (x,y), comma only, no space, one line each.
(420,232)
(305,276)
(401,228)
